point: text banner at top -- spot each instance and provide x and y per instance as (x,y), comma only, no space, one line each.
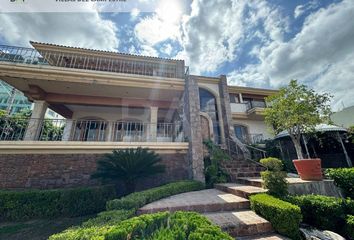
(8,6)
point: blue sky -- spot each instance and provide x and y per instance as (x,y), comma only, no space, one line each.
(255,43)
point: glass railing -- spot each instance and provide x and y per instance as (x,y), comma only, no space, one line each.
(107,63)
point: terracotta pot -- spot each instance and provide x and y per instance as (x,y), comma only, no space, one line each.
(309,169)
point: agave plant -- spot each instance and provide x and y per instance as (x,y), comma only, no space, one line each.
(128,166)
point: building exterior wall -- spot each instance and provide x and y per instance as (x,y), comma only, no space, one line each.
(46,171)
(255,127)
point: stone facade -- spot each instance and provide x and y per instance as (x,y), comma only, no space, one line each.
(226,108)
(44,171)
(192,128)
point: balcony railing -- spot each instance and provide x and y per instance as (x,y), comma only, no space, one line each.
(115,63)
(12,129)
(252,138)
(255,104)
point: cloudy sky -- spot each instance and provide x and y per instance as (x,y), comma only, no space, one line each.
(255,43)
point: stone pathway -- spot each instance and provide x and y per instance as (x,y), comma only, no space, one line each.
(226,205)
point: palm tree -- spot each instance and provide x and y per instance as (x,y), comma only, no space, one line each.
(128,165)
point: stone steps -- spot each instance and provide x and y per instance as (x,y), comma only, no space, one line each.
(240,223)
(268,236)
(241,168)
(209,200)
(240,190)
(251,181)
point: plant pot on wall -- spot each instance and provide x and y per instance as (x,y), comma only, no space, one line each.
(309,169)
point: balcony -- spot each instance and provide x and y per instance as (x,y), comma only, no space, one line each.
(89,130)
(255,104)
(86,59)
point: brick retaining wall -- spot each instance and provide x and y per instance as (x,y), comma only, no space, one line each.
(72,170)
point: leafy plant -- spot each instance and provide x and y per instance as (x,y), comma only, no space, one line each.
(349,226)
(284,217)
(274,179)
(212,165)
(343,178)
(297,109)
(122,209)
(129,166)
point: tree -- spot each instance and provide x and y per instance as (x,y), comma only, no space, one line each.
(297,109)
(128,165)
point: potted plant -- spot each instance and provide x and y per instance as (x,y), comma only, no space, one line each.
(297,110)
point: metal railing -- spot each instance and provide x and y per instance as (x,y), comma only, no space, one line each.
(249,153)
(255,104)
(112,63)
(14,129)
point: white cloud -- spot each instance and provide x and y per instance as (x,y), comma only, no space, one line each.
(301,9)
(134,13)
(320,55)
(162,25)
(152,30)
(167,49)
(87,30)
(215,31)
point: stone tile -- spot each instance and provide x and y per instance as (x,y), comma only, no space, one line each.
(240,223)
(209,200)
(264,237)
(241,190)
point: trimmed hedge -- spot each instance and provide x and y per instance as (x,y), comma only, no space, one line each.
(162,225)
(139,199)
(24,205)
(349,226)
(343,178)
(321,211)
(284,217)
(179,225)
(122,209)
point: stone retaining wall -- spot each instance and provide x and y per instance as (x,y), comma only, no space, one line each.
(46,171)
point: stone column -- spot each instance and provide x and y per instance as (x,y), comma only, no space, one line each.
(67,130)
(153,123)
(226,108)
(35,122)
(192,128)
(109,131)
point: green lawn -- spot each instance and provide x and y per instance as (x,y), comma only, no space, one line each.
(37,229)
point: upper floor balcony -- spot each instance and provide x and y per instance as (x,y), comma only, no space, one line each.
(87,59)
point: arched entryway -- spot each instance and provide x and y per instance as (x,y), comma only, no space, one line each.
(208,106)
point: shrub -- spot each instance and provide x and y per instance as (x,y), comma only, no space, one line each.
(349,206)
(343,178)
(24,205)
(321,211)
(178,225)
(284,217)
(212,164)
(272,164)
(129,166)
(122,209)
(349,226)
(274,179)
(139,199)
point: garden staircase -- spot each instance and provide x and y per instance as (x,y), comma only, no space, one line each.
(241,164)
(226,206)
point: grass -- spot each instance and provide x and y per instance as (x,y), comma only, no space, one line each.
(38,229)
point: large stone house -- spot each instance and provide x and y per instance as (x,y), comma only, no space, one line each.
(114,101)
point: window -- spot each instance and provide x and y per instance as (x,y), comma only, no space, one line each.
(241,133)
(234,98)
